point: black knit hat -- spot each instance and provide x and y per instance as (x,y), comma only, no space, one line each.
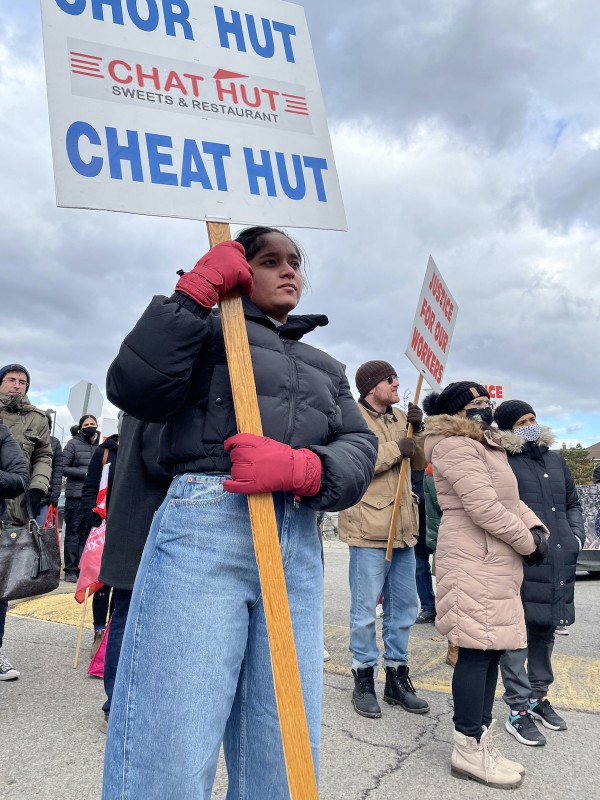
(14,368)
(369,374)
(453,398)
(509,412)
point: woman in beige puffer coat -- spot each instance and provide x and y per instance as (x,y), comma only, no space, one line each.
(484,534)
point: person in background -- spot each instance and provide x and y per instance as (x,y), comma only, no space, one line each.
(433,517)
(14,479)
(485,532)
(29,427)
(197,607)
(365,529)
(54,489)
(76,458)
(422,555)
(105,454)
(137,474)
(548,590)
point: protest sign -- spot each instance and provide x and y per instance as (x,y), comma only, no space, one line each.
(428,346)
(189,109)
(433,326)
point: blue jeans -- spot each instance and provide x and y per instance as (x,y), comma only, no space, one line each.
(194,668)
(118,618)
(424,583)
(370,575)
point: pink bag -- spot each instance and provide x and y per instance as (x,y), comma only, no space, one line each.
(96,667)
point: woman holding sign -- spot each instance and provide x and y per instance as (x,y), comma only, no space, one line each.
(195,670)
(484,533)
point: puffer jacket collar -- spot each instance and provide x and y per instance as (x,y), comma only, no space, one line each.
(515,444)
(451,425)
(295,328)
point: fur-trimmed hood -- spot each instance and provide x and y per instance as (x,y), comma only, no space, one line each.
(450,425)
(514,444)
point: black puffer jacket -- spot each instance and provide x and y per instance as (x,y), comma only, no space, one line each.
(548,488)
(172,367)
(76,458)
(137,475)
(14,470)
(56,478)
(91,485)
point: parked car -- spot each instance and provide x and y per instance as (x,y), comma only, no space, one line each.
(589,556)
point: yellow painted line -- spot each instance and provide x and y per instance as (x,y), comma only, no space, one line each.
(62,608)
(576,678)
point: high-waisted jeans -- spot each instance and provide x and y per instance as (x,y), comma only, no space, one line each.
(194,669)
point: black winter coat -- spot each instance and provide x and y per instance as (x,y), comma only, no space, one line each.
(91,485)
(548,488)
(172,367)
(14,470)
(139,486)
(76,458)
(55,486)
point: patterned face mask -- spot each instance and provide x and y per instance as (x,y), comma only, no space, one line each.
(530,433)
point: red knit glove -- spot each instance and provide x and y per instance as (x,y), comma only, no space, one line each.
(219,271)
(260,464)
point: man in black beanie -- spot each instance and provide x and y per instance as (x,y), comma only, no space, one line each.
(365,528)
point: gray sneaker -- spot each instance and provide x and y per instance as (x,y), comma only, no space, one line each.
(7,671)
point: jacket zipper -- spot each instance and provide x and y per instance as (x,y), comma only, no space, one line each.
(293,388)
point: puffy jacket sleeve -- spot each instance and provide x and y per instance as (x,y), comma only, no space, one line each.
(14,472)
(70,468)
(348,461)
(41,458)
(459,462)
(151,376)
(433,512)
(57,465)
(574,513)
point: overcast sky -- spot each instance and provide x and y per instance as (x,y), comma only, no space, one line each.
(463,129)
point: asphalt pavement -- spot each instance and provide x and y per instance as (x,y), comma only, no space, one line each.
(52,747)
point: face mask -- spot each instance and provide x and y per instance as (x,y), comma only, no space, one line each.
(89,432)
(530,433)
(482,415)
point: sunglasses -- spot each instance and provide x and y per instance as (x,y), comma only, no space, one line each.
(391,378)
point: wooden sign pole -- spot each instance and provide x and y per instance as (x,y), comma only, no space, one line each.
(286,676)
(398,498)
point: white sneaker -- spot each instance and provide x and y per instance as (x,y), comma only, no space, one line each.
(379,610)
(326,656)
(7,671)
(562,630)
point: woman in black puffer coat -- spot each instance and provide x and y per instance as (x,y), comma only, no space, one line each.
(76,458)
(194,669)
(547,487)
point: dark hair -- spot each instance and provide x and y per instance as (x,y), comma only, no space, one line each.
(87,416)
(74,429)
(253,239)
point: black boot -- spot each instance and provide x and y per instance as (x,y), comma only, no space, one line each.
(400,691)
(363,697)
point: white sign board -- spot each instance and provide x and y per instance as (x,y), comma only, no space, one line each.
(186,108)
(433,326)
(85,398)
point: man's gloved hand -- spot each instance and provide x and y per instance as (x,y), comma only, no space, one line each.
(260,464)
(407,447)
(54,501)
(414,416)
(33,501)
(541,547)
(223,268)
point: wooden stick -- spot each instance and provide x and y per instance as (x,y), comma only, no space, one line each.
(81,624)
(403,468)
(286,676)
